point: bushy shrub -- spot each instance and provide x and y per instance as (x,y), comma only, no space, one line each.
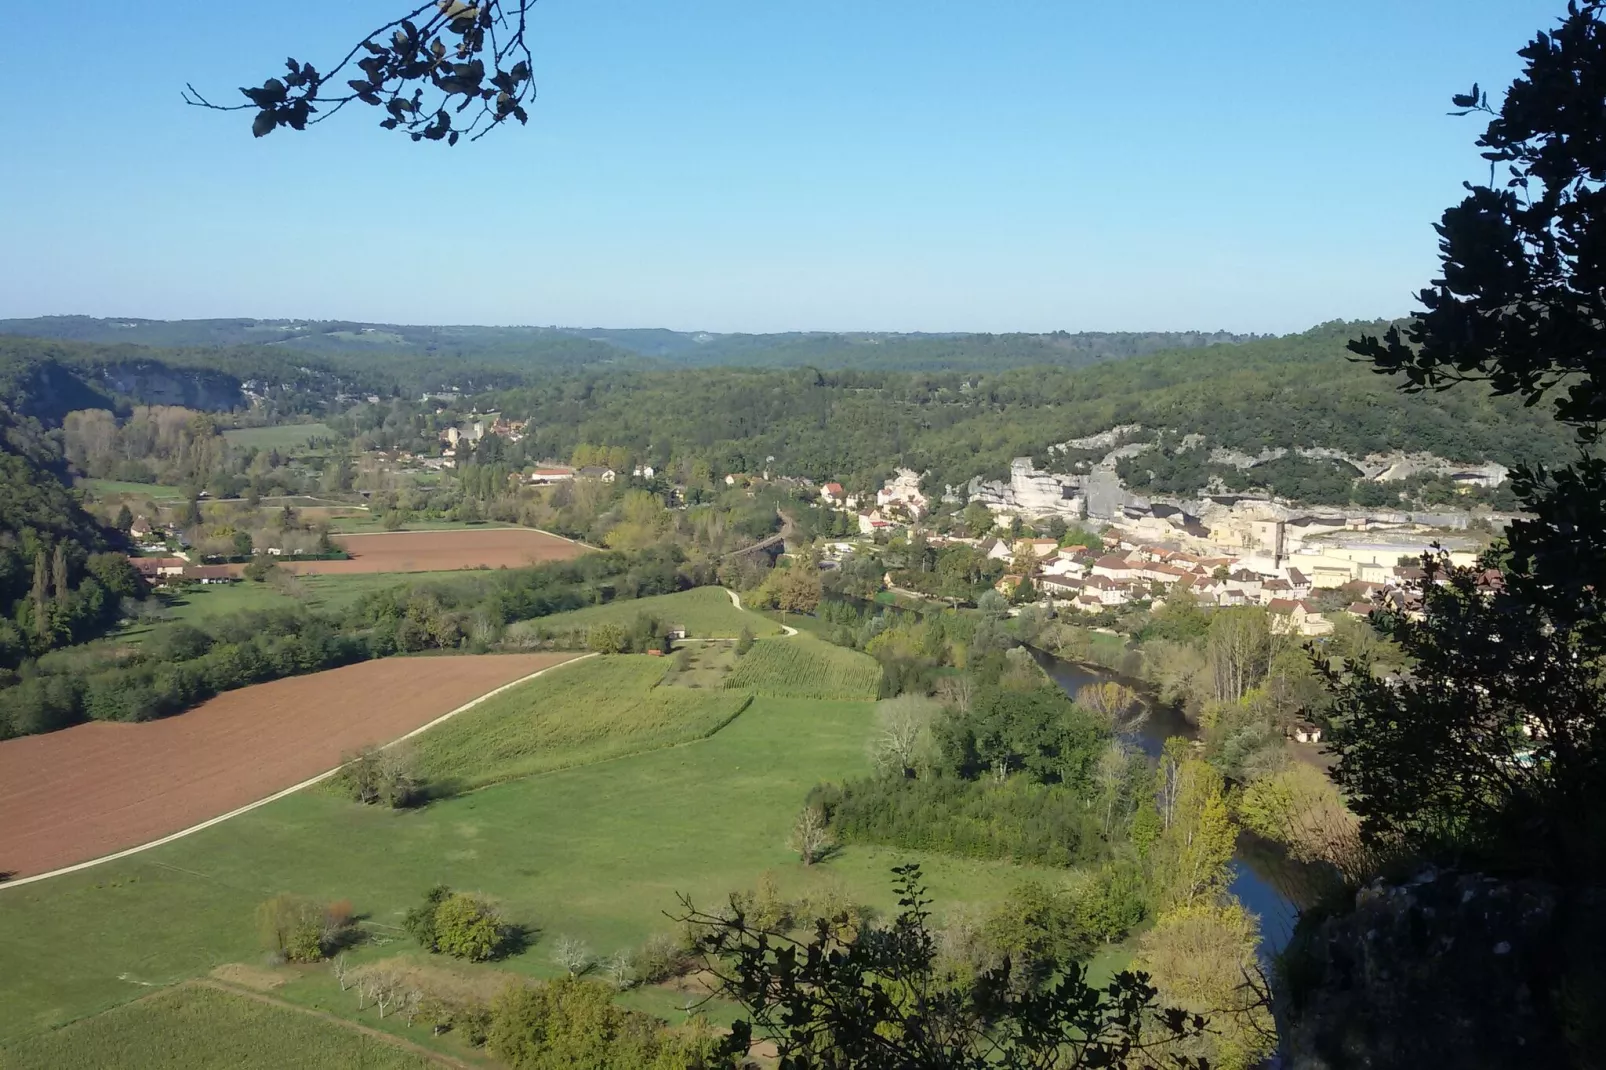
(571,1022)
(419,922)
(297,929)
(663,956)
(459,924)
(378,777)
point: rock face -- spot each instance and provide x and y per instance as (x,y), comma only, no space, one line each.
(1030,492)
(1449,970)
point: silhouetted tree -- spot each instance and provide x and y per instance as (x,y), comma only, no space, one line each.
(466,57)
(1496,741)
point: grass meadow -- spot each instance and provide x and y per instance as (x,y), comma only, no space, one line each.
(590,711)
(586,803)
(806,667)
(705,613)
(110,489)
(202,602)
(196,1026)
(284,437)
(599,852)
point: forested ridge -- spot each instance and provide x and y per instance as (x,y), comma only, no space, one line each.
(852,423)
(565,348)
(1301,391)
(59,584)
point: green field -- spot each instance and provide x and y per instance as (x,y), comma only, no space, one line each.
(196,1026)
(106,489)
(199,603)
(592,711)
(806,667)
(705,613)
(281,437)
(598,851)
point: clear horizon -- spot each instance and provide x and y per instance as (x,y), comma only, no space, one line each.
(1249,168)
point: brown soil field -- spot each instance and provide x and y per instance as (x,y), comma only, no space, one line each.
(93,789)
(443,551)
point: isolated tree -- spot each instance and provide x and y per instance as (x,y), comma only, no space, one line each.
(292,926)
(621,968)
(572,956)
(1201,956)
(125,518)
(902,745)
(441,71)
(1495,741)
(809,837)
(799,589)
(1116,704)
(1238,646)
(469,927)
(993,605)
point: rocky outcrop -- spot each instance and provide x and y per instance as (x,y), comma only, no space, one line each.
(1030,492)
(153,383)
(1448,970)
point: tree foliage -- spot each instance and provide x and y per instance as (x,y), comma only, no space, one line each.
(876,999)
(1495,742)
(470,57)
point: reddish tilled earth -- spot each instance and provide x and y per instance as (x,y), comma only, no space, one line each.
(443,551)
(93,789)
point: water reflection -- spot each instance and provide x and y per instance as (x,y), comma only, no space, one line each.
(1264,879)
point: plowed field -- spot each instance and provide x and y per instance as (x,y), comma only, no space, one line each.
(93,789)
(443,551)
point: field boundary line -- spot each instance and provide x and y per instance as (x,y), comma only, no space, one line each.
(276,796)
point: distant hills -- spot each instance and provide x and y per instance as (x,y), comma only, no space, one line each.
(532,348)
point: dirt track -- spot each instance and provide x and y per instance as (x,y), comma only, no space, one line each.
(443,551)
(93,789)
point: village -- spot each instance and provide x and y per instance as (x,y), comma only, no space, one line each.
(1304,567)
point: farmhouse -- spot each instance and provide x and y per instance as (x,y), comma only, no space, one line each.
(210,574)
(597,472)
(833,494)
(159,569)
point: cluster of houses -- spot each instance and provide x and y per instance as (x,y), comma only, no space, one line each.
(173,570)
(1124,571)
(557,473)
(898,502)
(476,428)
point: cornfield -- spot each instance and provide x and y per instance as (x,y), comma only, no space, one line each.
(805,667)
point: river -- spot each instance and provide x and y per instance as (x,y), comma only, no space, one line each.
(1263,878)
(1260,872)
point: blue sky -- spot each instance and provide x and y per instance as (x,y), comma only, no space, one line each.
(773,165)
